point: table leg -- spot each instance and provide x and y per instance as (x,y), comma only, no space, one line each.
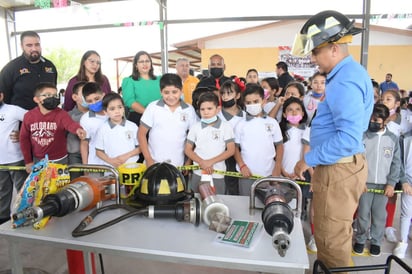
(88,265)
(15,258)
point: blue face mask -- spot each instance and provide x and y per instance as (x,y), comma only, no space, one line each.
(96,107)
(84,103)
(209,120)
(317,95)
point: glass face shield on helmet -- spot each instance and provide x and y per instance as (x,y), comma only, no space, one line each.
(321,29)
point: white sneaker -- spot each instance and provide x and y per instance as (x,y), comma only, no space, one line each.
(400,250)
(312,244)
(390,234)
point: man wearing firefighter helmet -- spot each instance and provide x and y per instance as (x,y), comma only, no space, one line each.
(336,134)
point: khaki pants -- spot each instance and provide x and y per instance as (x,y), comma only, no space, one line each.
(336,192)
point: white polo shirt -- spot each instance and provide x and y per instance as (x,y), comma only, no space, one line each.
(116,140)
(91,123)
(168,130)
(10,118)
(293,148)
(233,120)
(257,137)
(210,141)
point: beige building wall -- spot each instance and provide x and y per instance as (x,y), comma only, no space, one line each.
(381,59)
(394,59)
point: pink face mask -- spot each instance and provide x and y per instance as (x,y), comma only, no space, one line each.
(294,119)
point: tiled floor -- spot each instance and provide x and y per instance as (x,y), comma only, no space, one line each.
(53,261)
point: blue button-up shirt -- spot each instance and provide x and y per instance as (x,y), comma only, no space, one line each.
(343,116)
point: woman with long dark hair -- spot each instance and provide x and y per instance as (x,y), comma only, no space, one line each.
(90,71)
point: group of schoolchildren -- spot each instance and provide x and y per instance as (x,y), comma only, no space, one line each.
(387,145)
(250,131)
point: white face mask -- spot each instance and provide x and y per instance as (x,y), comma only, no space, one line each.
(254,109)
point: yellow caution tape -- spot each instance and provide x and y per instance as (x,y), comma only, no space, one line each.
(188,167)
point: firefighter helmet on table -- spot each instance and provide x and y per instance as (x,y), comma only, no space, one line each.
(324,28)
(162,183)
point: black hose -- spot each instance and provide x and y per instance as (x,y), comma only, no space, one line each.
(80,229)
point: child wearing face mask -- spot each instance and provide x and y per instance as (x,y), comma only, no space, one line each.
(292,125)
(45,127)
(73,142)
(392,99)
(232,113)
(296,143)
(209,142)
(316,95)
(383,156)
(258,141)
(91,122)
(293,89)
(270,86)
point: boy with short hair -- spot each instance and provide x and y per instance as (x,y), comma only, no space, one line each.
(116,142)
(10,118)
(258,141)
(73,142)
(91,122)
(45,127)
(210,142)
(168,121)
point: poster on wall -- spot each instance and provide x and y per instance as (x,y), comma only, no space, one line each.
(298,66)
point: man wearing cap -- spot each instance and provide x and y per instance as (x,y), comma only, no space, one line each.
(336,134)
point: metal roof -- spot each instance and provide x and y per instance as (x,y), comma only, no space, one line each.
(193,54)
(29,4)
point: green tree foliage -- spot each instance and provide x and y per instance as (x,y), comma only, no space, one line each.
(67,62)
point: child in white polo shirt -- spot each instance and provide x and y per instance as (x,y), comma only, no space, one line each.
(167,121)
(10,118)
(258,141)
(91,122)
(116,139)
(210,142)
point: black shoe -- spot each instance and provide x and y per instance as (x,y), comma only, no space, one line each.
(375,250)
(358,248)
(3,220)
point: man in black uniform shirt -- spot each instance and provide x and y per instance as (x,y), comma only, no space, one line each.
(20,76)
(216,71)
(283,77)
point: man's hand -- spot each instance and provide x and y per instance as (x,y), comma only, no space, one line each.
(300,168)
